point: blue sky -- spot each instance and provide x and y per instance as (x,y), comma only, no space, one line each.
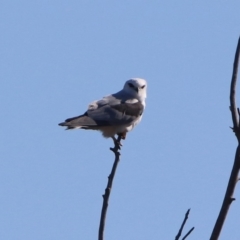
(58,56)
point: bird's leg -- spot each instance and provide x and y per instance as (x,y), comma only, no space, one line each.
(117,142)
(123,135)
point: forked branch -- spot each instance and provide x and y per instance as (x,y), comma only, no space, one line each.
(228,198)
(182,226)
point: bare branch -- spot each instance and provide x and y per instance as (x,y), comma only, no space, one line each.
(108,189)
(233,107)
(182,226)
(228,198)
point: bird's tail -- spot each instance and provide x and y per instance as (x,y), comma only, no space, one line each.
(82,121)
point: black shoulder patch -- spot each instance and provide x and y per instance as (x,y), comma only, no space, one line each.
(131,109)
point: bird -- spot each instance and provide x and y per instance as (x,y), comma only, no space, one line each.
(115,114)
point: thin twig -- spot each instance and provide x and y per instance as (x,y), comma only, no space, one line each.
(109,188)
(182,226)
(228,198)
(188,233)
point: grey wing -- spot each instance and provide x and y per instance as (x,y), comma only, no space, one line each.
(116,114)
(109,111)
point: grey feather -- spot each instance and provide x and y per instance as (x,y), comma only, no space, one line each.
(110,111)
(79,121)
(106,115)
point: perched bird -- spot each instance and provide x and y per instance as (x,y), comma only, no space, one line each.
(114,114)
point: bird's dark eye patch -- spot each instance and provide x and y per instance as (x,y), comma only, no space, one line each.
(130,85)
(143,87)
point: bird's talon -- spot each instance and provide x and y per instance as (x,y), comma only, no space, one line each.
(117,143)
